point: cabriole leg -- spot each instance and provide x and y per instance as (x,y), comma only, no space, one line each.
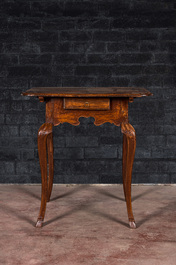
(129,146)
(50,164)
(44,132)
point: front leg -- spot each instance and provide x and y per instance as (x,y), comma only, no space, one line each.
(51,164)
(129,146)
(44,132)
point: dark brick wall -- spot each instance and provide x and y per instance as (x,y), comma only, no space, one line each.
(88,43)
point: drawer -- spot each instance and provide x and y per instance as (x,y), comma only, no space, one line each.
(87,103)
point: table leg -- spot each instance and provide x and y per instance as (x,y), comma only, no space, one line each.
(129,146)
(50,164)
(44,132)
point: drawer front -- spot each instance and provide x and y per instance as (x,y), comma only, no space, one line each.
(87,103)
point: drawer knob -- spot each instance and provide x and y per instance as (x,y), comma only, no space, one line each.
(86,104)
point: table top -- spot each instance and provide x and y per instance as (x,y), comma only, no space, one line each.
(87,92)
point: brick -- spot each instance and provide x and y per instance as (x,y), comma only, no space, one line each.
(8,59)
(59,24)
(27,155)
(109,166)
(4,142)
(136,58)
(163,152)
(81,179)
(24,71)
(140,34)
(47,9)
(169,81)
(104,129)
(162,58)
(171,141)
(69,59)
(111,179)
(173,178)
(75,130)
(20,143)
(147,81)
(21,47)
(9,36)
(59,178)
(119,81)
(15,86)
(143,152)
(169,46)
(3,24)
(7,167)
(35,59)
(16,106)
(92,70)
(110,140)
(80,35)
(41,36)
(53,47)
(78,81)
(45,81)
(146,166)
(81,141)
(167,166)
(79,8)
(122,46)
(149,46)
(9,131)
(149,20)
(93,23)
(59,141)
(168,34)
(63,69)
(169,129)
(21,119)
(67,167)
(29,167)
(126,69)
(2,116)
(101,152)
(29,106)
(89,47)
(11,154)
(15,9)
(103,35)
(27,24)
(151,178)
(69,153)
(3,71)
(103,58)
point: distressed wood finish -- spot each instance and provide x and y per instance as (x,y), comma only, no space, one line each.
(87,103)
(56,114)
(129,146)
(44,144)
(129,92)
(65,104)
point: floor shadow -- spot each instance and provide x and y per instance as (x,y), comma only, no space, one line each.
(16,213)
(72,191)
(150,190)
(24,189)
(87,208)
(108,194)
(157,213)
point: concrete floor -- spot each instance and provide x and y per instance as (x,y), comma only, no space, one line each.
(88,225)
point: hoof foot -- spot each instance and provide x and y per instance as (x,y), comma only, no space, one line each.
(39,224)
(132,225)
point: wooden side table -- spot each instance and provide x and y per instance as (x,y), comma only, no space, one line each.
(68,104)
